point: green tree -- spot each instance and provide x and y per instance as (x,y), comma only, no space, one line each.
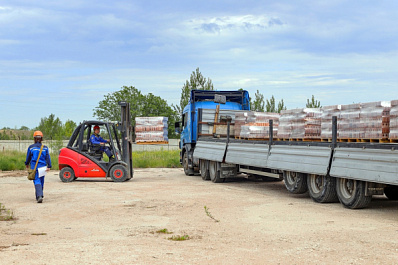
(196,81)
(140,106)
(24,128)
(52,129)
(68,129)
(258,103)
(313,103)
(271,106)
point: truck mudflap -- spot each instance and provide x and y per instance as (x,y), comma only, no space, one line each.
(373,165)
(212,151)
(300,158)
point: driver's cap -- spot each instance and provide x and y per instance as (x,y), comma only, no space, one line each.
(96,127)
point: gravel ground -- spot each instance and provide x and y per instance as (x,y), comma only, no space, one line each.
(101,222)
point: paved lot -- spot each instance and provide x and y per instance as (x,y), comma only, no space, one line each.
(101,222)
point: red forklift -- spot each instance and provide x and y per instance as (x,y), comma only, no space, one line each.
(82,159)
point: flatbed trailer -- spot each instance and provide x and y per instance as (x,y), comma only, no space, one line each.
(330,171)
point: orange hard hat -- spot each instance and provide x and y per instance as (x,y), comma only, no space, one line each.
(38,134)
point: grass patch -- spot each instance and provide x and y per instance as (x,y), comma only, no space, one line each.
(39,234)
(5,214)
(156,159)
(14,160)
(210,215)
(179,238)
(164,231)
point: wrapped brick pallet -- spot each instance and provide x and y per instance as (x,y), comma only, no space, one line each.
(394,120)
(255,125)
(300,124)
(364,121)
(151,129)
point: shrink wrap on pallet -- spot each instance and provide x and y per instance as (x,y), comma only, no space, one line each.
(394,120)
(151,129)
(326,120)
(255,125)
(300,123)
(365,121)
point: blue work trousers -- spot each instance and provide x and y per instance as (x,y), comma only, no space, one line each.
(39,185)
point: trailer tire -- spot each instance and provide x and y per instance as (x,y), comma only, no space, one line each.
(188,171)
(118,173)
(295,182)
(204,169)
(214,173)
(322,189)
(391,192)
(351,193)
(67,174)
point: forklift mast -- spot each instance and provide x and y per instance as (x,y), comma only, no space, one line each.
(124,126)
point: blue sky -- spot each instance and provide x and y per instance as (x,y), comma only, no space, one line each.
(62,57)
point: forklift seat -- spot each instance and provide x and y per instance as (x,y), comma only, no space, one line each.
(94,150)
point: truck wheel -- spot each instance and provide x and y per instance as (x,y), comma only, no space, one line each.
(351,193)
(118,173)
(214,173)
(322,188)
(295,182)
(391,192)
(204,169)
(67,174)
(188,171)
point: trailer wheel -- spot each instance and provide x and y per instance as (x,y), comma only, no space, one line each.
(214,173)
(391,192)
(204,169)
(322,189)
(188,171)
(295,182)
(118,173)
(67,174)
(351,193)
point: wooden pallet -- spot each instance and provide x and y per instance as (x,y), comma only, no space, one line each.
(152,142)
(354,140)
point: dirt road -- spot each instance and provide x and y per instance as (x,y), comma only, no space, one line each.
(101,222)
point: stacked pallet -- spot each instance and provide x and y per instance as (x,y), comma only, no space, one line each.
(255,125)
(394,120)
(348,124)
(375,120)
(300,124)
(326,120)
(151,130)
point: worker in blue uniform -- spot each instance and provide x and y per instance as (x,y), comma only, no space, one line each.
(97,139)
(44,161)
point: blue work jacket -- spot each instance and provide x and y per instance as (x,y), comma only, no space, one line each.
(97,139)
(33,153)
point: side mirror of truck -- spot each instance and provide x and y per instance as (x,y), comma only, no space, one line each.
(222,99)
(177,126)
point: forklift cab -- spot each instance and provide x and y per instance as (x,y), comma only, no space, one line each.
(80,140)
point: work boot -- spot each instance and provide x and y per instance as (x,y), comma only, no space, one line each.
(40,200)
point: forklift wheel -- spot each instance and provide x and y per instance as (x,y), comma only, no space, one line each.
(118,173)
(67,174)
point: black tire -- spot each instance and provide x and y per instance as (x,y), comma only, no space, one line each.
(67,174)
(391,192)
(188,171)
(351,193)
(322,189)
(204,169)
(118,173)
(214,173)
(295,182)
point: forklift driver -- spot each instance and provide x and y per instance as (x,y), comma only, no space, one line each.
(98,140)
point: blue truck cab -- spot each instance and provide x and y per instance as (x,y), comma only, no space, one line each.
(188,127)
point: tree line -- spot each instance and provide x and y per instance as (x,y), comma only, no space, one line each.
(145,105)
